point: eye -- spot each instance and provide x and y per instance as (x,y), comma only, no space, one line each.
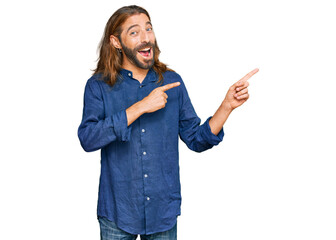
(149,29)
(133,33)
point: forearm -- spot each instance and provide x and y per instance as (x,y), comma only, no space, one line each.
(134,112)
(219,118)
(95,133)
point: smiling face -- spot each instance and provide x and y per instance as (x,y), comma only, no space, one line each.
(137,41)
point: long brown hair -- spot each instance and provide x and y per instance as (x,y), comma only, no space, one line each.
(110,59)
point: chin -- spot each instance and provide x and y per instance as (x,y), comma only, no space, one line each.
(147,64)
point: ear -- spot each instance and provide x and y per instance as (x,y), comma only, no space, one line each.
(115,42)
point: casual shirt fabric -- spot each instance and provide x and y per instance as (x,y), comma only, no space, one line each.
(139,187)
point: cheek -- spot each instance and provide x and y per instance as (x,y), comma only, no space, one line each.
(134,41)
(152,37)
(131,42)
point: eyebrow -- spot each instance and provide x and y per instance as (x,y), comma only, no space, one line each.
(135,25)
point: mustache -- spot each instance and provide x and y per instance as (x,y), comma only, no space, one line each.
(145,45)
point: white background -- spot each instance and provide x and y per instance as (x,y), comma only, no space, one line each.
(273,176)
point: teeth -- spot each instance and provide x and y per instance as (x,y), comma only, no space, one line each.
(145,49)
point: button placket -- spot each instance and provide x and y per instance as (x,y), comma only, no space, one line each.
(145,155)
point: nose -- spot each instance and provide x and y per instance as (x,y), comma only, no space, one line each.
(144,36)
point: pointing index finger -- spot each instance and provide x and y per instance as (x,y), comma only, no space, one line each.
(170,86)
(250,74)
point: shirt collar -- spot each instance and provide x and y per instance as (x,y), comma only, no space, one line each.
(150,77)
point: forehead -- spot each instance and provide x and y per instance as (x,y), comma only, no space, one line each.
(136,19)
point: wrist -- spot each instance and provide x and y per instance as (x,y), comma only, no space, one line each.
(226,107)
(141,107)
(134,112)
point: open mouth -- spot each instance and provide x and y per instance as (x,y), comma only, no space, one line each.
(146,52)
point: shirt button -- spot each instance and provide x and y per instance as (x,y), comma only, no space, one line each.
(129,74)
(143,130)
(141,86)
(144,153)
(148,198)
(146,175)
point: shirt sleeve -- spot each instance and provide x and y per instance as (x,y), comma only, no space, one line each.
(96,130)
(196,136)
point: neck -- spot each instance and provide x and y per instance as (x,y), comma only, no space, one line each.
(138,73)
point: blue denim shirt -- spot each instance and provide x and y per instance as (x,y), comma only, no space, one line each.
(139,187)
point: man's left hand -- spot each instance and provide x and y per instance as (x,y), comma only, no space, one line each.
(238,92)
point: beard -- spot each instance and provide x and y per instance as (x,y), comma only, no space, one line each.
(131,54)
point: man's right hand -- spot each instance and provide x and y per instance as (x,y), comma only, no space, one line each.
(157,99)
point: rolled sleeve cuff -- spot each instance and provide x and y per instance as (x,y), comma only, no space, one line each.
(208,136)
(121,130)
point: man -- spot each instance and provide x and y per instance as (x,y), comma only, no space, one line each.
(134,110)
